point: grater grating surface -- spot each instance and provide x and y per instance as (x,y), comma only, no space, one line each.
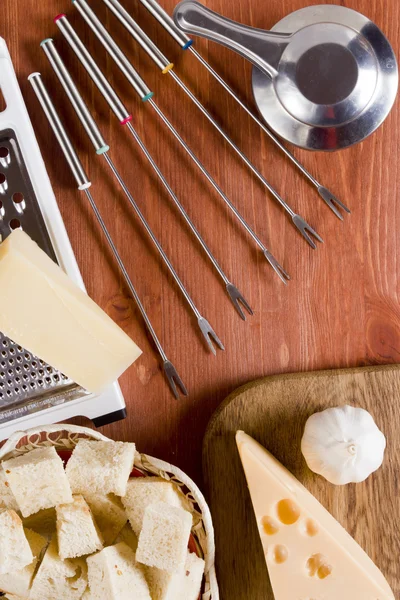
(27,384)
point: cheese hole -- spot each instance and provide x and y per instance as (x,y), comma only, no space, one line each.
(269,525)
(281,554)
(288,512)
(310,527)
(318,566)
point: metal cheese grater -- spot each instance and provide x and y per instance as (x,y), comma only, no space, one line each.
(32,392)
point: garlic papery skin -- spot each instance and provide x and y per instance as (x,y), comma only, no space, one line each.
(343,444)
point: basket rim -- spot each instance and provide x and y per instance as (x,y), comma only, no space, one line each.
(213,593)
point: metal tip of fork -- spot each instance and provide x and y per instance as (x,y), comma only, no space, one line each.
(238,300)
(209,335)
(279,270)
(306,229)
(174,380)
(331,201)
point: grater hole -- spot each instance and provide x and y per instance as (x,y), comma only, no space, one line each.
(11,362)
(14,223)
(20,349)
(18,370)
(26,367)
(5,157)
(49,369)
(33,375)
(64,377)
(17,390)
(9,382)
(25,388)
(48,380)
(42,363)
(10,372)
(2,364)
(25,377)
(12,351)
(40,382)
(19,202)
(5,343)
(33,385)
(19,359)
(2,385)
(27,356)
(41,372)
(18,380)
(3,183)
(4,354)
(2,211)
(2,374)
(34,364)
(9,393)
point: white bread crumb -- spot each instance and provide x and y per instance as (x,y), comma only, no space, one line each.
(58,579)
(7,499)
(15,552)
(77,533)
(143,491)
(164,538)
(109,515)
(184,585)
(18,582)
(115,575)
(100,467)
(37,480)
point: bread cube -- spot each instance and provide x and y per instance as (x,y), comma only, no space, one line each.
(184,585)
(143,491)
(15,552)
(109,515)
(7,499)
(97,467)
(115,575)
(164,537)
(37,480)
(19,581)
(58,579)
(77,533)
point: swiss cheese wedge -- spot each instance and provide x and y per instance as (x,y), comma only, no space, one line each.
(308,554)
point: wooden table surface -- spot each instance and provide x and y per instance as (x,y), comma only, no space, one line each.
(341,308)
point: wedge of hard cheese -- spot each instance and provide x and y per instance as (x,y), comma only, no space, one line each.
(308,554)
(44,311)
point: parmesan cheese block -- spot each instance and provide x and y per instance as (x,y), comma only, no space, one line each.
(48,314)
(305,548)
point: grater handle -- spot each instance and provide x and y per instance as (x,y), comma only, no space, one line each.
(113,49)
(111,97)
(82,180)
(167,22)
(99,143)
(139,35)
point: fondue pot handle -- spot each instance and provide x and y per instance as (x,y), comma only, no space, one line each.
(262,48)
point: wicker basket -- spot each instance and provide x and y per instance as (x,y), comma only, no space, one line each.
(65,437)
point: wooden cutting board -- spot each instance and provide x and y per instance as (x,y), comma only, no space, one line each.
(274,410)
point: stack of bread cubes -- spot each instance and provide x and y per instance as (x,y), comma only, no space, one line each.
(91,532)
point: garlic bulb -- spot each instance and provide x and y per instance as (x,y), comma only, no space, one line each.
(343,444)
